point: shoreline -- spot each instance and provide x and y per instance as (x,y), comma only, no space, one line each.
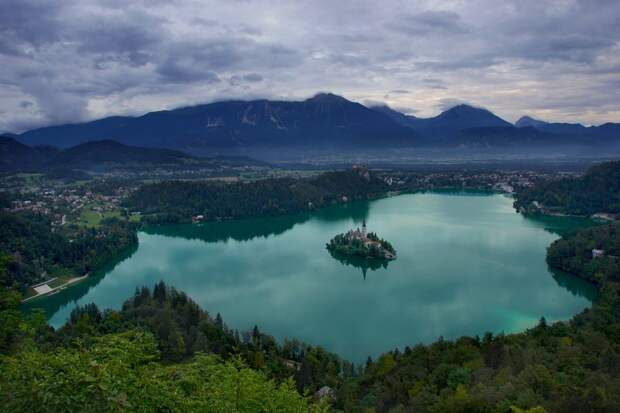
(52,291)
(389,194)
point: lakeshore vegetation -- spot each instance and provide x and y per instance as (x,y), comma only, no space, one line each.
(598,191)
(179,201)
(39,251)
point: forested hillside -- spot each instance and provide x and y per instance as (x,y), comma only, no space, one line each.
(178,201)
(38,251)
(574,254)
(597,191)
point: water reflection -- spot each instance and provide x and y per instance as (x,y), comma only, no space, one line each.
(575,285)
(360,263)
(249,229)
(560,225)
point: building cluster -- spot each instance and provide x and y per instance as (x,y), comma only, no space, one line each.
(359,234)
(507,182)
(167,173)
(63,204)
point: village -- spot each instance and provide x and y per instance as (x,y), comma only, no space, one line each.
(65,205)
(500,181)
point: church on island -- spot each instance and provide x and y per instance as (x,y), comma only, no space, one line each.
(359,234)
(360,242)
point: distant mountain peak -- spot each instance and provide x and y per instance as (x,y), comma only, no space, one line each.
(384,107)
(327,97)
(464,109)
(467,116)
(529,121)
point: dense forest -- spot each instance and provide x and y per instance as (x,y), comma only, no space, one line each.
(596,191)
(574,254)
(178,201)
(39,251)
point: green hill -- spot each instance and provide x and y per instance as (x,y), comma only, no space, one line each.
(596,191)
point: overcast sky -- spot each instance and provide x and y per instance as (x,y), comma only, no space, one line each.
(68,61)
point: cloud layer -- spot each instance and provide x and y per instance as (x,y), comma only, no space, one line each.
(73,61)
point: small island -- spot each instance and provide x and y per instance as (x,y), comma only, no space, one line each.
(361,243)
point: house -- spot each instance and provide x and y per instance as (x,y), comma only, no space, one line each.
(596,253)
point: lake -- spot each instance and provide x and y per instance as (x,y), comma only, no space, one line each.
(467,264)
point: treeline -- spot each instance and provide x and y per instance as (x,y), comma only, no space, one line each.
(560,368)
(182,329)
(38,251)
(596,191)
(178,201)
(574,254)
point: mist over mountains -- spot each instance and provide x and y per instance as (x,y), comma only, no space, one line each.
(325,122)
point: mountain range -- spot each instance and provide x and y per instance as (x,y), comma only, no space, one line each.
(324,122)
(447,124)
(607,130)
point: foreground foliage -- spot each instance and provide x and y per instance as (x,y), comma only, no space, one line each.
(120,372)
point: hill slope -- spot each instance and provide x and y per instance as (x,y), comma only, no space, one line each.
(111,152)
(605,134)
(443,128)
(597,191)
(15,156)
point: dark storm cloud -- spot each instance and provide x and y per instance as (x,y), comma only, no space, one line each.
(428,22)
(30,22)
(252,77)
(201,60)
(119,33)
(79,60)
